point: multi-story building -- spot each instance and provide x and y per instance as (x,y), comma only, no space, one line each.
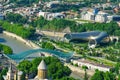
(99,17)
(50,16)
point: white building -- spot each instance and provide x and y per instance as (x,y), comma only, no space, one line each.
(91,65)
(119,4)
(106,5)
(99,17)
(52,3)
(1,16)
(12,75)
(114,18)
(50,16)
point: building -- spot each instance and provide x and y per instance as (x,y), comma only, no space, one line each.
(115,17)
(10,74)
(93,15)
(97,36)
(42,72)
(17,75)
(1,16)
(13,75)
(116,9)
(91,65)
(101,17)
(50,16)
(52,4)
(70,14)
(1,12)
(93,38)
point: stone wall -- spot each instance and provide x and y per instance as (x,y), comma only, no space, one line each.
(51,33)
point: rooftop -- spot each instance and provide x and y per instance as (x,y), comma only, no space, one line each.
(42,65)
(97,35)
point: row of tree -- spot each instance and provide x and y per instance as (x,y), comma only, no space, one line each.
(62,7)
(111,28)
(6,49)
(24,32)
(99,75)
(24,2)
(15,18)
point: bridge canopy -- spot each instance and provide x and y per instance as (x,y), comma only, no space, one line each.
(21,56)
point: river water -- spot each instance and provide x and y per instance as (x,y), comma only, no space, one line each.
(16,45)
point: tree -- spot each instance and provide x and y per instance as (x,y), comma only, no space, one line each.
(40,22)
(5,49)
(24,2)
(56,69)
(24,32)
(119,77)
(117,68)
(109,76)
(16,18)
(99,75)
(3,72)
(48,45)
(25,66)
(67,78)
(111,28)
(85,75)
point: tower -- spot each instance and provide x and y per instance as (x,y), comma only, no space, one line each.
(42,71)
(15,75)
(19,74)
(9,73)
(26,77)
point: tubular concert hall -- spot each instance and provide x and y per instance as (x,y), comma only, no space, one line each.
(94,37)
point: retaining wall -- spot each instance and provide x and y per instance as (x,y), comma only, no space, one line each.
(27,42)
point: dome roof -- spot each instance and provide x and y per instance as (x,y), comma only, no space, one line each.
(42,65)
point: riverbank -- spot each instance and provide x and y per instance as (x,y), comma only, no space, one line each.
(27,42)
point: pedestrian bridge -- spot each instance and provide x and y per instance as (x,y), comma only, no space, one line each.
(21,56)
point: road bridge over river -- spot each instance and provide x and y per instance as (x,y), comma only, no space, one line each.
(35,52)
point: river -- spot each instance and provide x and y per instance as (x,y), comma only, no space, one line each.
(16,45)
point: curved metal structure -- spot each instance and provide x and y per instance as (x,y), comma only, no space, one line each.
(96,35)
(92,43)
(21,56)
